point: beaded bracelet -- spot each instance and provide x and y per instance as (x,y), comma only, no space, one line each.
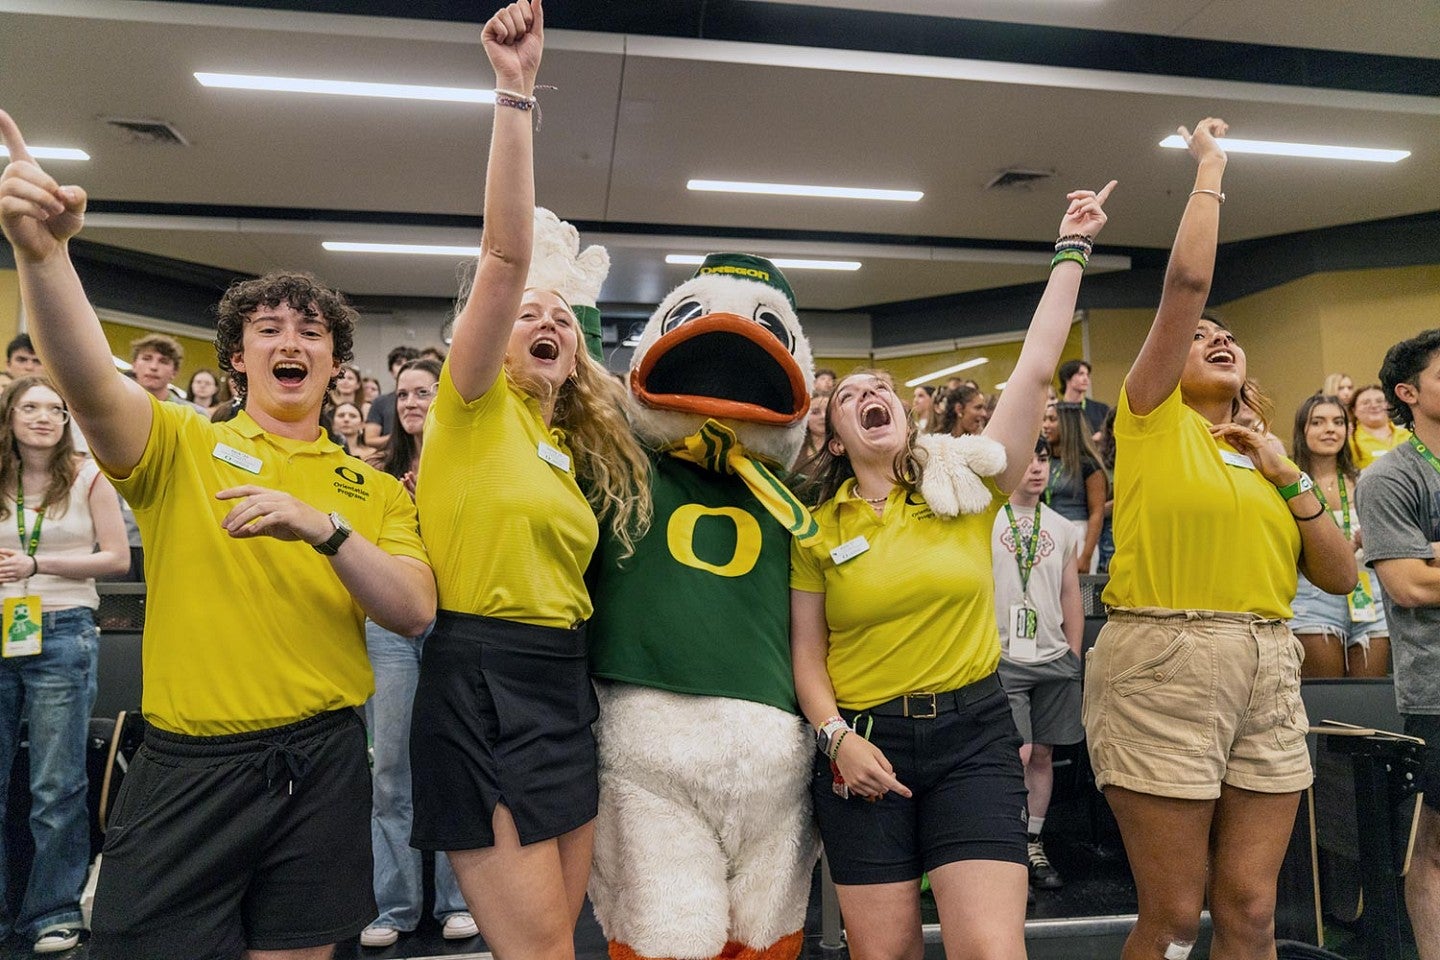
(509,98)
(835,744)
(1075,255)
(1073,246)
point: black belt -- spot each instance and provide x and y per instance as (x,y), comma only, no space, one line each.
(925,706)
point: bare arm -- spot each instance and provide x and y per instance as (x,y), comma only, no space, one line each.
(1072,608)
(1095,490)
(1016,422)
(113,557)
(1326,557)
(1410,582)
(864,767)
(1161,360)
(39,217)
(513,41)
(396,592)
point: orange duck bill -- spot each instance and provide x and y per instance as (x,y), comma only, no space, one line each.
(723,365)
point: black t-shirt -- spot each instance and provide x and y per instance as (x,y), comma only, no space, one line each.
(1065,493)
(1095,413)
(382,411)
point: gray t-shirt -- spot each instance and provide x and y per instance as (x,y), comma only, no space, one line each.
(1399,505)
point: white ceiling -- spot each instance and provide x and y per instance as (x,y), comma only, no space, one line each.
(635,117)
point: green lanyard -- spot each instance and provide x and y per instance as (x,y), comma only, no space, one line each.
(1345,499)
(34,537)
(1050,482)
(1424,451)
(1025,551)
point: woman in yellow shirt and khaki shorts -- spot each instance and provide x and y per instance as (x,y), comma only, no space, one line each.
(1192,694)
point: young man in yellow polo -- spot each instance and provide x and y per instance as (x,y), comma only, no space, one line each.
(243,826)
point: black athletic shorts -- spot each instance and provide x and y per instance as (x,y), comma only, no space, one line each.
(1426,726)
(969,803)
(502,716)
(250,841)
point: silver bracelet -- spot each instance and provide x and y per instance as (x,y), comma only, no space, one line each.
(1213,193)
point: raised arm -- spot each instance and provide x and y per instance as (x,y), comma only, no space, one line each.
(39,217)
(514,40)
(1161,360)
(1016,423)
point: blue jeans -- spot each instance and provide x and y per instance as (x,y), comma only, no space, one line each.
(399,889)
(56,689)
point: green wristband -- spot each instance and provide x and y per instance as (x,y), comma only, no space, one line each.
(1075,255)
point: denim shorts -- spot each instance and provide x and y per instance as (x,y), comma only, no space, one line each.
(1316,611)
(1178,702)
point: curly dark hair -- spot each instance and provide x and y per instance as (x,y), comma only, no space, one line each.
(303,293)
(1404,363)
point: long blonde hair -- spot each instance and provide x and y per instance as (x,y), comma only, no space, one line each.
(610,464)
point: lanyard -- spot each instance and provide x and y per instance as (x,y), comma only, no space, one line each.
(34,537)
(1055,475)
(1424,451)
(1345,499)
(1025,551)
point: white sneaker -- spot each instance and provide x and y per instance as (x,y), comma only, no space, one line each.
(56,941)
(460,926)
(378,936)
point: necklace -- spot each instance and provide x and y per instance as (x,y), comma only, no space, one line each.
(875,501)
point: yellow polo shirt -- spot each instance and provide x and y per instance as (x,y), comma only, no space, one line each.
(1367,449)
(509,533)
(916,610)
(1193,530)
(249,634)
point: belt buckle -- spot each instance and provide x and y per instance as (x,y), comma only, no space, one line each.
(920,716)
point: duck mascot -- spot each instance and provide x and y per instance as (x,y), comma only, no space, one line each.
(704,845)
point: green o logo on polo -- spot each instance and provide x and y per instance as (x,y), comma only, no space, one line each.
(680,537)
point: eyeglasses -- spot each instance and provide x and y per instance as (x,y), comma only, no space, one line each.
(419,393)
(50,411)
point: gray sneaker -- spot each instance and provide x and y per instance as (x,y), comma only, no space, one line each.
(1042,875)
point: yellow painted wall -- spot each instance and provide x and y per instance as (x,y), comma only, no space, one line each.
(1001,361)
(9,305)
(198,353)
(1296,333)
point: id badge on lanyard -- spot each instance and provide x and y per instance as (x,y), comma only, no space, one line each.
(21,627)
(1363,606)
(1024,631)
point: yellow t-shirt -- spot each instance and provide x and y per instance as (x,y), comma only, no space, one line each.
(916,611)
(1193,531)
(248,634)
(509,532)
(1367,449)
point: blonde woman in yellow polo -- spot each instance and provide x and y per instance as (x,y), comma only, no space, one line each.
(869,626)
(523,426)
(1192,694)
(1374,434)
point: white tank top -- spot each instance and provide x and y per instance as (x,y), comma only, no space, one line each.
(72,534)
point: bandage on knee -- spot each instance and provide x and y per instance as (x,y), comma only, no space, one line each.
(1179,950)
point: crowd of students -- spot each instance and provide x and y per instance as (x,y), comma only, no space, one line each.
(441,586)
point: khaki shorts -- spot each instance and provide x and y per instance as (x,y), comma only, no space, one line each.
(1179,701)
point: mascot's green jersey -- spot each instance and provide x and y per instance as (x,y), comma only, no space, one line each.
(703,606)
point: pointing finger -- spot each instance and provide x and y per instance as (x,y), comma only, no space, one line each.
(14,142)
(1104,194)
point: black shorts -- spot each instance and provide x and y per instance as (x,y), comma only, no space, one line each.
(1426,726)
(969,802)
(256,840)
(502,716)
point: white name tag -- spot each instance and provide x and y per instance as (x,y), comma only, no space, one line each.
(555,458)
(849,550)
(237,458)
(1237,459)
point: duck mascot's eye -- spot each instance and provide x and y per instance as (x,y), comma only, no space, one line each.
(771,321)
(682,312)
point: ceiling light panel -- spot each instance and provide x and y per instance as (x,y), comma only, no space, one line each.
(1316,151)
(946,371)
(694,260)
(421,249)
(51,153)
(805,190)
(345,88)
